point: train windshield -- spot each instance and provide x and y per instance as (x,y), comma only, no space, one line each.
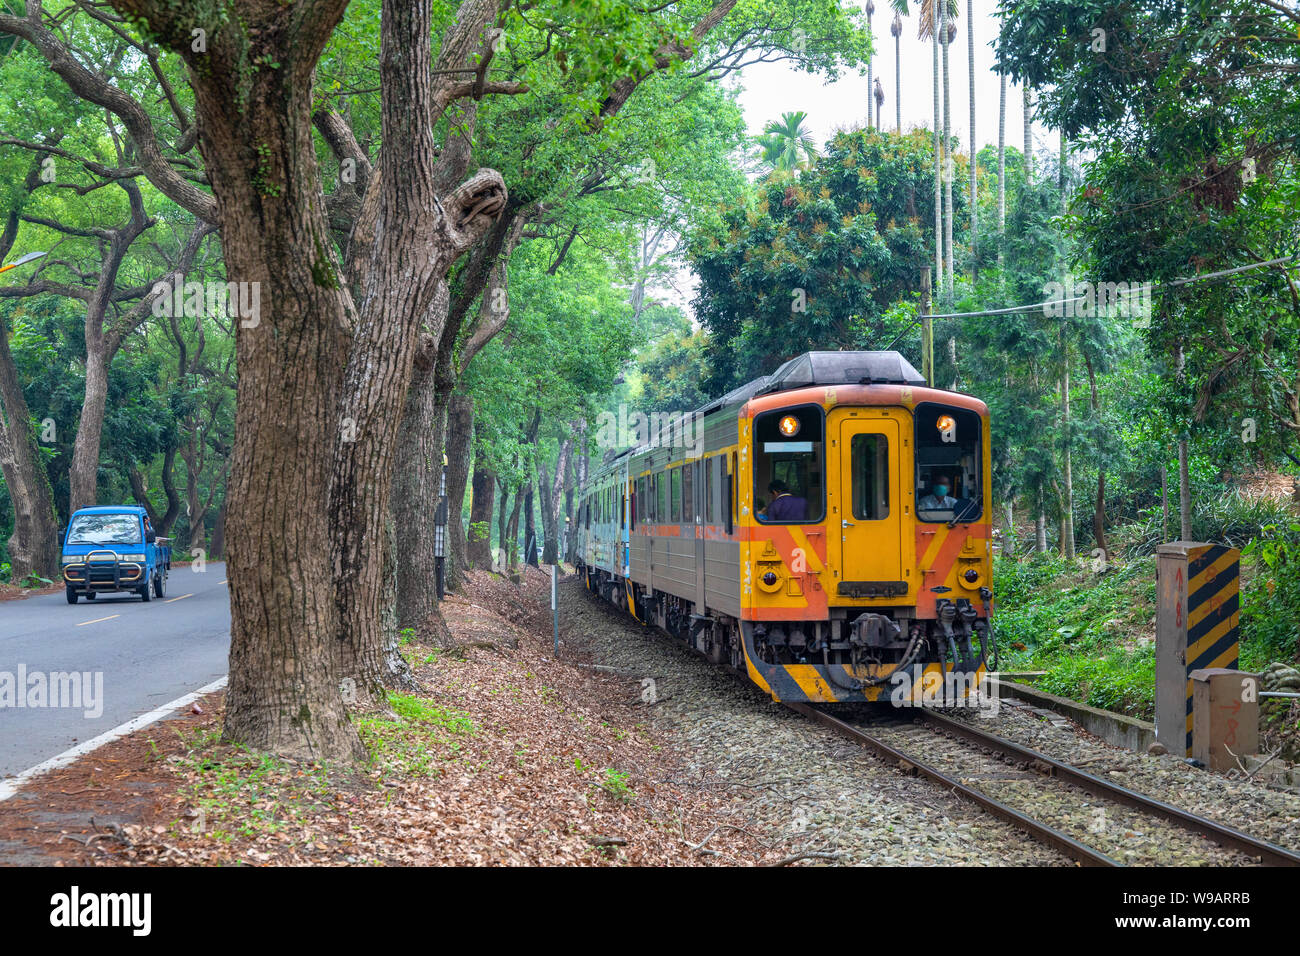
(947,463)
(789,453)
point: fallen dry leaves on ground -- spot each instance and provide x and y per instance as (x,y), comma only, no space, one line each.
(504,756)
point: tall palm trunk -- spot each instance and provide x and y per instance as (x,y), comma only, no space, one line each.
(949,162)
(974,147)
(1002,157)
(1002,165)
(898,74)
(871,55)
(939,151)
(1028,103)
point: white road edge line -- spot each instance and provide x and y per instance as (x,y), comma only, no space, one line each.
(98,620)
(11,785)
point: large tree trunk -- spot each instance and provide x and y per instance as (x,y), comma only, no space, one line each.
(162,523)
(511,544)
(550,488)
(503,517)
(219,532)
(83,474)
(530,528)
(478,543)
(408,235)
(284,680)
(415,493)
(33,546)
(460,446)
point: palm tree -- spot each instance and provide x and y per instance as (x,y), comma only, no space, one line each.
(929,30)
(896,28)
(1028,102)
(939,26)
(1002,158)
(787,144)
(970,64)
(871,55)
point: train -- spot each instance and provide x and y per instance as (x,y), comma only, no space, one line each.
(824,530)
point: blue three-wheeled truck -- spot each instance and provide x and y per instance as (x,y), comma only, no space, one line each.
(111,549)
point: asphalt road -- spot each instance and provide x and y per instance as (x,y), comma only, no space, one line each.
(147,654)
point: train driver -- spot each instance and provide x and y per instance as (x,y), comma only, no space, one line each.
(938,499)
(785,506)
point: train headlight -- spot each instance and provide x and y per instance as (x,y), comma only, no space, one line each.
(946,423)
(972,575)
(789,426)
(770,578)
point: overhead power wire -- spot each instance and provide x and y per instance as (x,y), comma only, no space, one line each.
(1042,306)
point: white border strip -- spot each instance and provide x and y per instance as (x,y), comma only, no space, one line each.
(11,785)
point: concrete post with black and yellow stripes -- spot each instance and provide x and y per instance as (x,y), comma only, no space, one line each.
(1197,627)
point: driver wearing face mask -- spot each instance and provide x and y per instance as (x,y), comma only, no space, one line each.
(938,498)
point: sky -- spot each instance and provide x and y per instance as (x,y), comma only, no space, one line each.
(770,89)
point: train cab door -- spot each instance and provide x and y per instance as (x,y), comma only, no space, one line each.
(868,502)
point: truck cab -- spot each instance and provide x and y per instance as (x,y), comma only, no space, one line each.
(113,549)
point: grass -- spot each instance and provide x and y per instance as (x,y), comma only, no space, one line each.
(1092,632)
(416,739)
(244,793)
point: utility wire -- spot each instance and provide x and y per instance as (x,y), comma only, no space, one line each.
(1042,306)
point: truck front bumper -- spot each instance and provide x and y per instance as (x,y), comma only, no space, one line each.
(103,571)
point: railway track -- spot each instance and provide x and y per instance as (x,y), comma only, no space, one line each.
(1089,819)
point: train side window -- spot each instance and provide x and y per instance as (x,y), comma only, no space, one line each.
(675,496)
(708,489)
(661,498)
(788,466)
(728,491)
(949,462)
(688,492)
(870,464)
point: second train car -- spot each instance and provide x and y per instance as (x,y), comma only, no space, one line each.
(824,529)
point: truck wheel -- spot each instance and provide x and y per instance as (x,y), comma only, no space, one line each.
(145,593)
(160,585)
(71,593)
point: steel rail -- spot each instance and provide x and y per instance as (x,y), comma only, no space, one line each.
(1269,854)
(1071,847)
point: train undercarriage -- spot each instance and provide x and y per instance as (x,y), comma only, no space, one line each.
(855,654)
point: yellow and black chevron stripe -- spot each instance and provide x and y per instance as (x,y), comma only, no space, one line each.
(1212,613)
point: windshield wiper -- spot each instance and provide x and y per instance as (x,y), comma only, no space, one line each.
(957,516)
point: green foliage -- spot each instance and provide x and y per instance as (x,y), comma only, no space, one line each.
(816,259)
(787,144)
(417,739)
(1270,596)
(1122,681)
(614,783)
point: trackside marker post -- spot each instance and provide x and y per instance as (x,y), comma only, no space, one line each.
(555,608)
(1196,628)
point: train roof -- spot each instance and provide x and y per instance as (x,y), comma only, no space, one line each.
(802,371)
(825,368)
